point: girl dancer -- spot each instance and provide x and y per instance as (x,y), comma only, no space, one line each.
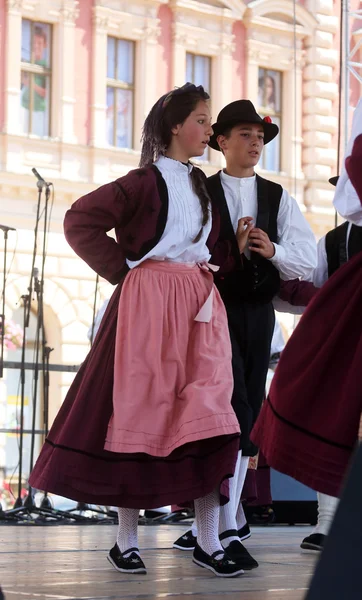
(148,420)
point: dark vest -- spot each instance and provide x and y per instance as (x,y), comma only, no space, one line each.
(337,249)
(256,280)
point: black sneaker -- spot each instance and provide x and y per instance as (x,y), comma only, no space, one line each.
(239,554)
(132,564)
(186,542)
(244,533)
(222,566)
(315,541)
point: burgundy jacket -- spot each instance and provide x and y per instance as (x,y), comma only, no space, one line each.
(136,206)
(296,292)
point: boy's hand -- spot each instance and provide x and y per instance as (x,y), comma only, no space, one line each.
(259,242)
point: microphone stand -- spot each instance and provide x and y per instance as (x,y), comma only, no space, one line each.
(26,316)
(25,512)
(27,299)
(40,334)
(18,501)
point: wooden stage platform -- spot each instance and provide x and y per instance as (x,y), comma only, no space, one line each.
(69,562)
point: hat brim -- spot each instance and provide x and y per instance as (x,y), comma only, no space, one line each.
(334,180)
(271,130)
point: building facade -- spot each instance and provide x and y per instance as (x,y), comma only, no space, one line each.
(77,79)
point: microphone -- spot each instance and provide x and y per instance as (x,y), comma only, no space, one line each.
(36,274)
(41,181)
(6,228)
(39,177)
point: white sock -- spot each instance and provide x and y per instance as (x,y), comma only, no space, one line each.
(240,516)
(227,520)
(327,506)
(207,515)
(127,529)
(243,469)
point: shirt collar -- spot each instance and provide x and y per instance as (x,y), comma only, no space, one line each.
(238,181)
(172,165)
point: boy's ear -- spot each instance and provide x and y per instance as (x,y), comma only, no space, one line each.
(222,141)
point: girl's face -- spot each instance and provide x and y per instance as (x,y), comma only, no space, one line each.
(192,136)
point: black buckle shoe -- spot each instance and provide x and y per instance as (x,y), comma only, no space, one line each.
(186,542)
(239,554)
(315,541)
(221,567)
(132,564)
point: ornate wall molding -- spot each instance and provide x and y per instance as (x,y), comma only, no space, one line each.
(14,5)
(259,11)
(232,10)
(69,12)
(132,24)
(203,41)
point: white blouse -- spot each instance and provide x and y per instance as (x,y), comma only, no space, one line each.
(184,219)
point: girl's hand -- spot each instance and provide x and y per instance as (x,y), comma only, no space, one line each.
(245,226)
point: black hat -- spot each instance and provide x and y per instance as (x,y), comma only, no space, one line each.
(334,180)
(241,111)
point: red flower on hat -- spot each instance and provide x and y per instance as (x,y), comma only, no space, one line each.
(267,120)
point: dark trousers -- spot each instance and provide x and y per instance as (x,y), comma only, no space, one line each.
(251,330)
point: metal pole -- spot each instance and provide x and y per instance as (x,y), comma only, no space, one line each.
(346,26)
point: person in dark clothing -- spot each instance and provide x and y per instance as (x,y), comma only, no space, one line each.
(278,244)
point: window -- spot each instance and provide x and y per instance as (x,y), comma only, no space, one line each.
(198,71)
(35,78)
(120,92)
(269,102)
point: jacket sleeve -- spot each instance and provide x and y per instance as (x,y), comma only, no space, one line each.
(86,225)
(296,292)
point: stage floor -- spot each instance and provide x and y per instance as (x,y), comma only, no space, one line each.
(69,562)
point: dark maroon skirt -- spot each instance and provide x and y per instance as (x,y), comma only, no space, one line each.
(308,426)
(257,490)
(74,464)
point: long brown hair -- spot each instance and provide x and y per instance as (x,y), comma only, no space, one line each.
(170,110)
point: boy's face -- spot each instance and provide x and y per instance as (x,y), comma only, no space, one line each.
(243,145)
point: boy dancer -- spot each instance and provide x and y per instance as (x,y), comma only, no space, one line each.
(278,244)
